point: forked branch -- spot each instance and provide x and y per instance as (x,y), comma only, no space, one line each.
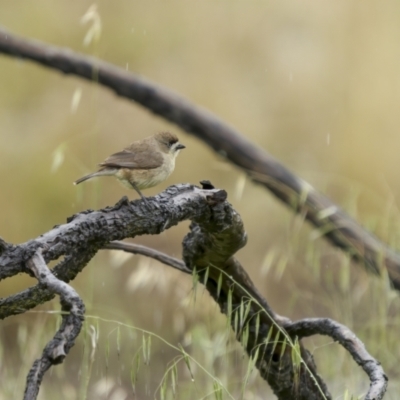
(72,318)
(216,234)
(294,330)
(85,233)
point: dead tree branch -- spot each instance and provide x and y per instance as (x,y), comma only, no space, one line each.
(85,233)
(298,329)
(340,333)
(216,234)
(79,240)
(73,314)
(334,223)
(149,252)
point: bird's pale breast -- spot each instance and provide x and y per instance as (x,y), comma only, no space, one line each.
(145,179)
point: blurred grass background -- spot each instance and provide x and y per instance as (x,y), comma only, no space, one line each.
(314,83)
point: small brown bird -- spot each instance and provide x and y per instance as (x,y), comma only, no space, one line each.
(143,164)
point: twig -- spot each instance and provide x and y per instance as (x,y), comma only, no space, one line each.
(72,319)
(340,333)
(149,252)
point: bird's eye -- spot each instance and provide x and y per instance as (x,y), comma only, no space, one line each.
(170,144)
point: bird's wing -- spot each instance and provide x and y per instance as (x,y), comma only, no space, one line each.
(133,160)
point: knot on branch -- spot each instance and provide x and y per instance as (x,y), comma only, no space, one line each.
(56,352)
(212,241)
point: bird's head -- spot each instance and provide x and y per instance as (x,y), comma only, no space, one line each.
(169,143)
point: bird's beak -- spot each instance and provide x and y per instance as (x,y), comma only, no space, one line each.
(180,147)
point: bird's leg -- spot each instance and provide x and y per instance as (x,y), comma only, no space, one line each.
(139,192)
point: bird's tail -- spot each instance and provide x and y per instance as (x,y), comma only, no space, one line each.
(103,172)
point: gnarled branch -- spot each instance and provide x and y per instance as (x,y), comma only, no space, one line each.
(73,314)
(298,329)
(85,233)
(216,234)
(340,333)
